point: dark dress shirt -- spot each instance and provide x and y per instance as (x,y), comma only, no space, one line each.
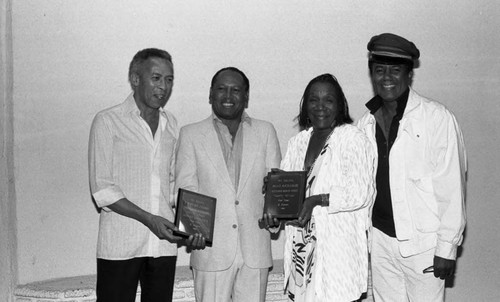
(382,215)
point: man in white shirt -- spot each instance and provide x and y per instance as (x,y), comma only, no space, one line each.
(418,216)
(131,167)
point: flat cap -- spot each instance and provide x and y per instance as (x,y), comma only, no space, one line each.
(392,46)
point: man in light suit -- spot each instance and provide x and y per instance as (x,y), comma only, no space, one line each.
(226,156)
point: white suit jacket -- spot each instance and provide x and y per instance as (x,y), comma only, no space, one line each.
(200,167)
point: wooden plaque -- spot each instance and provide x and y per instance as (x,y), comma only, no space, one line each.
(285,193)
(195,214)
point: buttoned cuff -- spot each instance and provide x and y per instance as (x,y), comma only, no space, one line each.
(446,250)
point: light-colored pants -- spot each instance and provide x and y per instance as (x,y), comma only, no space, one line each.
(239,283)
(396,278)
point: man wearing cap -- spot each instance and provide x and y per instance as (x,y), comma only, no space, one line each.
(418,217)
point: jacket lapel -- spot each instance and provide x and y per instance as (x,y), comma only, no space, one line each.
(411,110)
(211,144)
(249,154)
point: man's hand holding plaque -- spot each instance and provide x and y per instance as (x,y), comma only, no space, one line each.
(284,195)
(195,218)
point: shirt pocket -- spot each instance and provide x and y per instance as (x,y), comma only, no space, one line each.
(420,193)
(420,190)
(416,150)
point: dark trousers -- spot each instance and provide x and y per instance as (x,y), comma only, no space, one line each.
(117,279)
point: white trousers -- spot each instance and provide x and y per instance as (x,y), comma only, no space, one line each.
(239,283)
(396,278)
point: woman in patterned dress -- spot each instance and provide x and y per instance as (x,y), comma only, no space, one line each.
(326,253)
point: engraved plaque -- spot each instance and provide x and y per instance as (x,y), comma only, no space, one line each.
(195,214)
(285,193)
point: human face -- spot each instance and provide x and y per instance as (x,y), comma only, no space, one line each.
(228,96)
(321,105)
(153,84)
(390,81)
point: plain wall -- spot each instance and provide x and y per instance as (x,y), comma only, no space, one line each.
(8,224)
(71,60)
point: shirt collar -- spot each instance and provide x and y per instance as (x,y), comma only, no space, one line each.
(376,102)
(131,106)
(245,118)
(163,112)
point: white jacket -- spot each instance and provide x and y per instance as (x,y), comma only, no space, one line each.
(427,177)
(344,169)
